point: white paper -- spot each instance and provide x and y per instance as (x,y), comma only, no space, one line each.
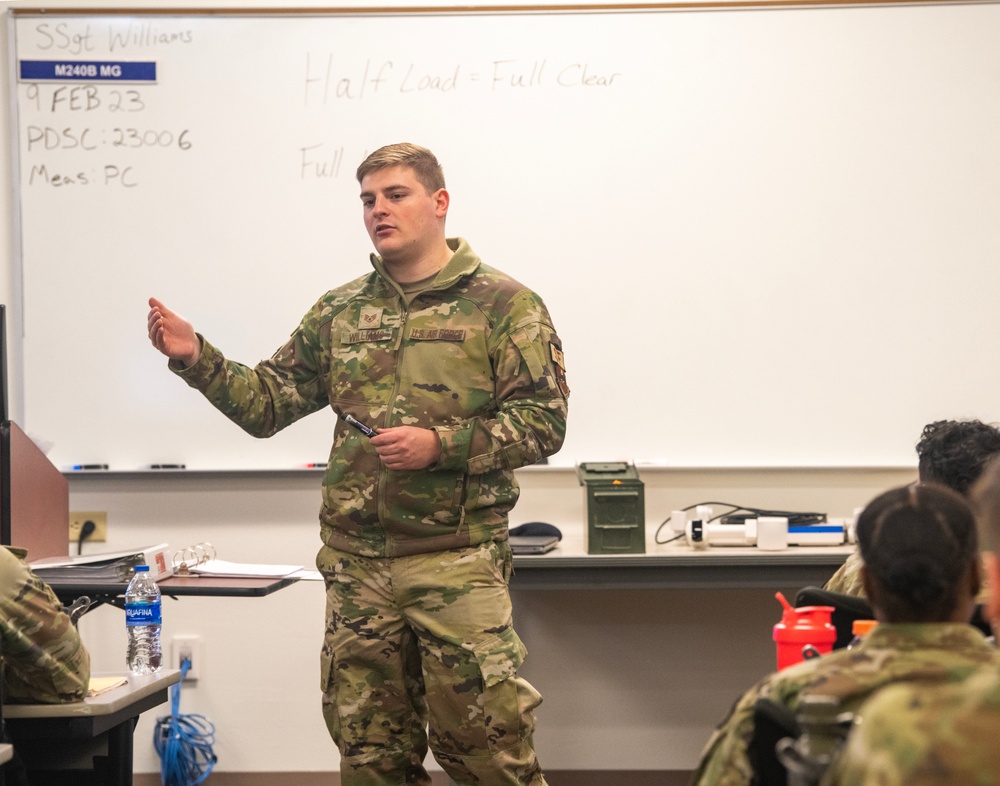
(222,568)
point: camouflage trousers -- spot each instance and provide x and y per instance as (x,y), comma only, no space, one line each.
(419,652)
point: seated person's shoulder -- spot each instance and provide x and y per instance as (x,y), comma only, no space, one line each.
(937,707)
(847,579)
(913,733)
(44,657)
(14,570)
(787,685)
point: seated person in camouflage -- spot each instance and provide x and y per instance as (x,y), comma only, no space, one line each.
(921,573)
(941,735)
(950,452)
(44,659)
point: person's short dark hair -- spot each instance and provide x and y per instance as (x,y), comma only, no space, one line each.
(954,452)
(917,543)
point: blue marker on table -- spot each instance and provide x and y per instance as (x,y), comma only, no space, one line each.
(352,421)
(89,466)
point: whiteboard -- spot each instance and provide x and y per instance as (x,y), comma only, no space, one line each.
(767,236)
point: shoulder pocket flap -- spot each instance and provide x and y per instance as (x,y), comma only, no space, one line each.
(530,353)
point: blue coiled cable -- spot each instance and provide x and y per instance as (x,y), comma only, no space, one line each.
(184,742)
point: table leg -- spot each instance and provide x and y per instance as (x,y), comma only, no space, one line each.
(120,753)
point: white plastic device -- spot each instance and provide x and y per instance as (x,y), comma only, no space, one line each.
(700,535)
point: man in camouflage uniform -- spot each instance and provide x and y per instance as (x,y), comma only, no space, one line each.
(44,659)
(911,735)
(459,369)
(950,452)
(939,649)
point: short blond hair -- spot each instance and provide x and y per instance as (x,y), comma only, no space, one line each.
(421,160)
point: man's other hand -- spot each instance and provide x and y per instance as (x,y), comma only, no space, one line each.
(172,334)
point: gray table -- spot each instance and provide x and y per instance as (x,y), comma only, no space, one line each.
(37,728)
(677,566)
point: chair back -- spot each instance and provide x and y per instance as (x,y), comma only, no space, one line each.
(846,609)
(772,722)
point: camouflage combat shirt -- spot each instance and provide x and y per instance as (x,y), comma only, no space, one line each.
(474,357)
(44,659)
(847,579)
(927,653)
(910,735)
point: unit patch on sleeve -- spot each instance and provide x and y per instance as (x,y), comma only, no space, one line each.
(560,363)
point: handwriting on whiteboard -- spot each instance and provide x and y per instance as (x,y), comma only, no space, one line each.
(326,82)
(88,133)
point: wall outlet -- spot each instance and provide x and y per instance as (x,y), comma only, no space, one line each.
(100,519)
(187,647)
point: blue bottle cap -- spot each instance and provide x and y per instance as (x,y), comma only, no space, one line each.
(141,568)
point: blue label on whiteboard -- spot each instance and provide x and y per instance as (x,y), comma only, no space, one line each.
(142,614)
(88,70)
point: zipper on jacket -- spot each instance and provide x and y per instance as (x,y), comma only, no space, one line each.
(383,472)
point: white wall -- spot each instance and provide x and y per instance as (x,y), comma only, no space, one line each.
(631,679)
(254,665)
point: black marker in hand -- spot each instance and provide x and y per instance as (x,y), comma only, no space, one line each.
(352,421)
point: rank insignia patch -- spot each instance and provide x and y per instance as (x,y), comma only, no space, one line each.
(371,317)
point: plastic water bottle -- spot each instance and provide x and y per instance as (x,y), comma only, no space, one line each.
(142,621)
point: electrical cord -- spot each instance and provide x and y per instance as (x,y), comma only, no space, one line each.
(668,540)
(86,530)
(739,513)
(184,742)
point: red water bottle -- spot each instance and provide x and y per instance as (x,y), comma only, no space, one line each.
(808,626)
